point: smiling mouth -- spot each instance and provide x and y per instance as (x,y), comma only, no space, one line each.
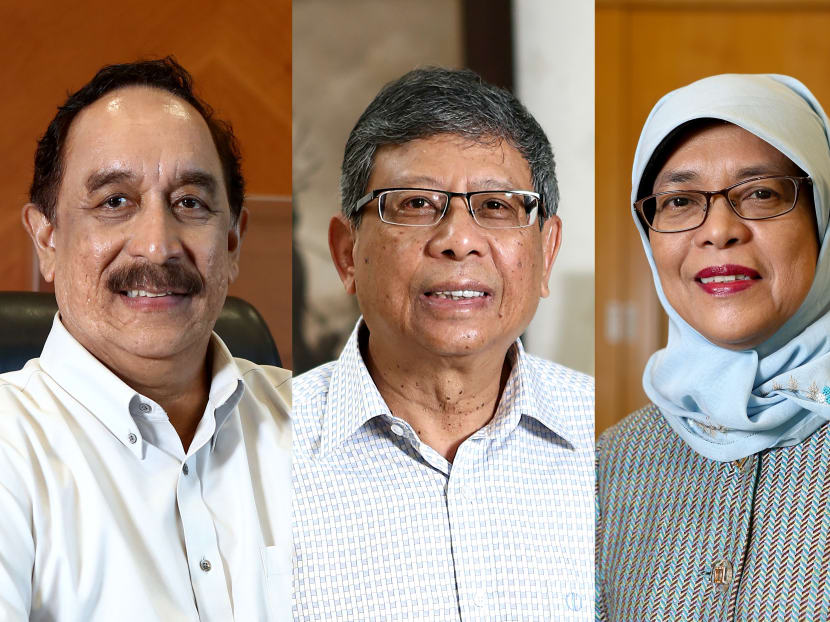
(725,279)
(140,293)
(459,294)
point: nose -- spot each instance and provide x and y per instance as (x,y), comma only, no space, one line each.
(457,235)
(723,227)
(154,233)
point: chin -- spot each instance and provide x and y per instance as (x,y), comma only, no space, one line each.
(460,343)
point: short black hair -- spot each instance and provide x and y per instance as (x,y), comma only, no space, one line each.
(434,100)
(165,74)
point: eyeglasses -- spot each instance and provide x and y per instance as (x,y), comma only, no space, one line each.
(758,198)
(419,207)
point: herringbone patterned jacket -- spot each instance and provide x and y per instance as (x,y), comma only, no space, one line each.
(681,537)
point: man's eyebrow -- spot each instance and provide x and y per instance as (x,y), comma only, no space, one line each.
(199,178)
(425,181)
(106,177)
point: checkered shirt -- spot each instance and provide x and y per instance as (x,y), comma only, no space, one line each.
(385,528)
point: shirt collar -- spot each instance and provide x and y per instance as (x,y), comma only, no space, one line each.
(354,399)
(525,395)
(111,400)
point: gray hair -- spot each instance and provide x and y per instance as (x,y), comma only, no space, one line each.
(431,101)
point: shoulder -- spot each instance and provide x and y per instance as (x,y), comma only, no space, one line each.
(559,378)
(270,386)
(642,450)
(565,395)
(24,393)
(638,437)
(311,396)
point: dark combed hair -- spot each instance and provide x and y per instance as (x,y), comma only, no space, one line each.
(164,74)
(433,100)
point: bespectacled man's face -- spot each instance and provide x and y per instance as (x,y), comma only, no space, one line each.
(404,276)
(143,249)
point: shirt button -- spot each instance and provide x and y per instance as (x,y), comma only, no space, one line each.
(205,565)
(396,429)
(722,574)
(185,470)
(132,438)
(144,407)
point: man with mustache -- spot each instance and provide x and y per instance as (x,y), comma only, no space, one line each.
(440,472)
(135,452)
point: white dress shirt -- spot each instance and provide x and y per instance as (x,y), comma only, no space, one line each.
(385,528)
(104,516)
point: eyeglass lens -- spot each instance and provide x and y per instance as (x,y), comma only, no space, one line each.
(493,210)
(754,200)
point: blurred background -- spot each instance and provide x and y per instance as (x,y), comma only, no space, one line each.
(645,48)
(239,54)
(345,51)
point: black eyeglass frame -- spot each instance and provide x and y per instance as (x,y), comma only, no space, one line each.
(379,192)
(638,204)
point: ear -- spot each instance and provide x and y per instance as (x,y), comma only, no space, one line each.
(42,232)
(235,235)
(341,246)
(551,241)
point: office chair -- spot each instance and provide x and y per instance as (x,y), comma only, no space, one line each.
(26,318)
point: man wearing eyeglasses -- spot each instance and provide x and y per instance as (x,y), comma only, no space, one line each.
(441,472)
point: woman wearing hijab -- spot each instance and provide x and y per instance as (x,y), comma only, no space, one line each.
(713,500)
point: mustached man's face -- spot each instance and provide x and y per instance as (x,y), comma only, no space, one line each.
(142,250)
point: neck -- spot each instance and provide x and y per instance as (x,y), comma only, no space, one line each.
(445,399)
(183,398)
(180,384)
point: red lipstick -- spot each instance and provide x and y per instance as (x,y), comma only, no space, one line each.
(726,279)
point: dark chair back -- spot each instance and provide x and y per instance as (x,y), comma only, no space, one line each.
(26,318)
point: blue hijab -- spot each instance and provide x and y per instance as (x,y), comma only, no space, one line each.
(731,404)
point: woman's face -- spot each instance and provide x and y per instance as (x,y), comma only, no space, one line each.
(778,255)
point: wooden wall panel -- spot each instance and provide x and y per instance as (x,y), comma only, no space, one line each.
(646,48)
(239,53)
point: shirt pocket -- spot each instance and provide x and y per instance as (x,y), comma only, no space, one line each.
(276,565)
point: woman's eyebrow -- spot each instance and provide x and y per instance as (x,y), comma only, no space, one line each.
(675,176)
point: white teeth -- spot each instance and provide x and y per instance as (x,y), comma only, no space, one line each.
(459,294)
(140,293)
(725,279)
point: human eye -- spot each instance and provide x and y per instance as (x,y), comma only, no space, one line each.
(498,207)
(760,194)
(416,203)
(114,206)
(411,207)
(190,203)
(191,207)
(763,197)
(679,202)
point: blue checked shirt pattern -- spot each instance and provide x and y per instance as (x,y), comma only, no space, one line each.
(385,528)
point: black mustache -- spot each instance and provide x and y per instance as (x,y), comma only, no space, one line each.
(166,277)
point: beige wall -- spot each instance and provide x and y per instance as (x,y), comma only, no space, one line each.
(343,53)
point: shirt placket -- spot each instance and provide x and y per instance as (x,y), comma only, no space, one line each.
(466,505)
(207,572)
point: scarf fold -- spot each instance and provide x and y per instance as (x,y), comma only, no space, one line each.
(731,404)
